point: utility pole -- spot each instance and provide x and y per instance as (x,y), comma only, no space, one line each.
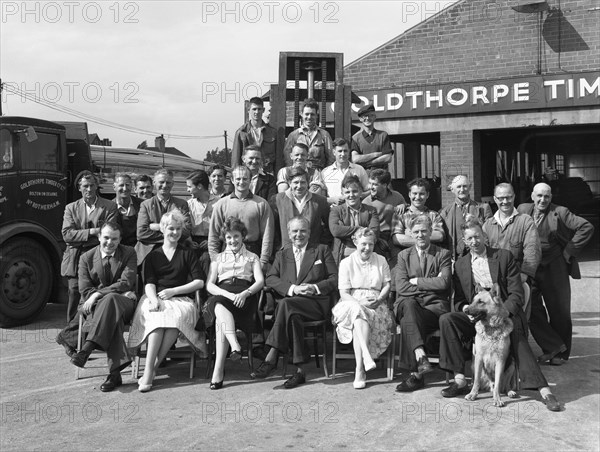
(226,150)
(1,97)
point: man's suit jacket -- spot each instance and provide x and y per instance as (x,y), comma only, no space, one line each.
(76,230)
(453,219)
(151,211)
(571,231)
(432,291)
(129,222)
(316,211)
(504,270)
(340,225)
(265,186)
(317,267)
(270,147)
(91,272)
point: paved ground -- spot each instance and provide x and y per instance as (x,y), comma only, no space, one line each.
(44,408)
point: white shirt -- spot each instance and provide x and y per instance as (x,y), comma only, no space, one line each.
(333,176)
(481,270)
(504,222)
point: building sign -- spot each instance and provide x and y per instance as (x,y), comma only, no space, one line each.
(523,93)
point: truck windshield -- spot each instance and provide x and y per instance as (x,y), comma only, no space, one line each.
(41,154)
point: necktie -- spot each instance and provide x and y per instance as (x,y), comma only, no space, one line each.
(423,262)
(107,271)
(538,217)
(297,252)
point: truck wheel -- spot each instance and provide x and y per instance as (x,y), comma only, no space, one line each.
(26,278)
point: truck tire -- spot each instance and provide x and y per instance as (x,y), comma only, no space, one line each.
(26,277)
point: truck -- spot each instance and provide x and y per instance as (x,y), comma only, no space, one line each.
(40,163)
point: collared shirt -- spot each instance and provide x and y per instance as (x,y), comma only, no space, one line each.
(299,203)
(400,222)
(333,176)
(239,265)
(104,255)
(314,176)
(481,270)
(354,216)
(257,133)
(298,257)
(200,214)
(504,222)
(125,210)
(385,207)
(89,209)
(319,144)
(254,180)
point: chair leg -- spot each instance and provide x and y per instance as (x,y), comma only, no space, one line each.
(324,331)
(316,347)
(79,343)
(211,347)
(192,363)
(250,352)
(334,352)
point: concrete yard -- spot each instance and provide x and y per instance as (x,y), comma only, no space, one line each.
(43,407)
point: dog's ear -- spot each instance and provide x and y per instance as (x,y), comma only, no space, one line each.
(478,288)
(495,290)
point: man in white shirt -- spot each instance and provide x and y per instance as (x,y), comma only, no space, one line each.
(128,207)
(334,174)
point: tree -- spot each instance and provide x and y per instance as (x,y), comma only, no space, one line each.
(221,156)
(143,145)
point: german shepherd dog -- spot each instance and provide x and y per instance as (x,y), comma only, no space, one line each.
(492,346)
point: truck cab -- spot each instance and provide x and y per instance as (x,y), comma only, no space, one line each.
(34,189)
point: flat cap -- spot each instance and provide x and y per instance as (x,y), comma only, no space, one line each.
(366,109)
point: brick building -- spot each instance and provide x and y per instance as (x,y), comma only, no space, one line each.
(484,90)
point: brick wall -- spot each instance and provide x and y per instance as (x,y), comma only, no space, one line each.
(479,39)
(457,159)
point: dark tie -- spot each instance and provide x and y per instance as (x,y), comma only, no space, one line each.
(423,262)
(107,271)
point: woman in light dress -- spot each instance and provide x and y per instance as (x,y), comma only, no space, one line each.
(362,315)
(167,310)
(234,280)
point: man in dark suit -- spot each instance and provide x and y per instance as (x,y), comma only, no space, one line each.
(261,184)
(82,221)
(423,276)
(304,276)
(107,276)
(152,210)
(128,207)
(485,266)
(298,200)
(562,235)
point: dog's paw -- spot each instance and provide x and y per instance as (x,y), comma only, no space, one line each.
(512,395)
(471,396)
(498,402)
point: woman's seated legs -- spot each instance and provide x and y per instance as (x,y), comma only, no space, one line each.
(159,343)
(225,337)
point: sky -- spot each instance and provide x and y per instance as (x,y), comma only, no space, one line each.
(178,68)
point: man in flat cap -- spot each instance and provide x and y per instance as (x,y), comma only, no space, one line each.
(371,147)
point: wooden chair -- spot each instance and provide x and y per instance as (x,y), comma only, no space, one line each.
(211,335)
(185,351)
(96,354)
(314,327)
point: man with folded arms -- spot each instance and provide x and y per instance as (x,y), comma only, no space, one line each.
(304,276)
(423,276)
(107,278)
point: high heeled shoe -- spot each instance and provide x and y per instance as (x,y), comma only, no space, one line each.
(216,385)
(369,364)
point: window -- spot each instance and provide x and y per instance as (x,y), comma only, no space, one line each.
(430,161)
(41,154)
(6,149)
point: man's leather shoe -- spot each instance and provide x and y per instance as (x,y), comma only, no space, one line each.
(112,382)
(264,370)
(295,380)
(80,358)
(549,357)
(556,361)
(454,391)
(70,351)
(424,366)
(551,402)
(412,383)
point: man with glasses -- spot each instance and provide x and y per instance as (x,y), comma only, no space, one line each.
(371,148)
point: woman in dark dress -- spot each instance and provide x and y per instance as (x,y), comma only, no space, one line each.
(167,310)
(234,280)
